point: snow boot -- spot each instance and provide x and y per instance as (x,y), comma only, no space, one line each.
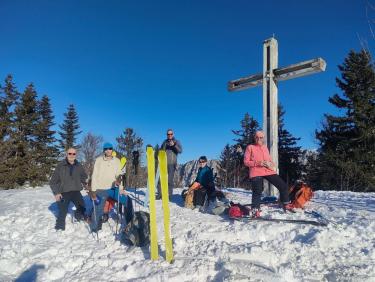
(255,213)
(59,227)
(105,217)
(288,207)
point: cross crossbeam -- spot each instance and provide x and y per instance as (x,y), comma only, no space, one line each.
(281,74)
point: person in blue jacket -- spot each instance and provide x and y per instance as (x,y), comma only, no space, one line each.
(203,186)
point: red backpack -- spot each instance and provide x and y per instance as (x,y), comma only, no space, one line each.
(300,194)
(237,211)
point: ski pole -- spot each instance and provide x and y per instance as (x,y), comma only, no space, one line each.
(72,215)
(139,201)
(118,208)
(95,220)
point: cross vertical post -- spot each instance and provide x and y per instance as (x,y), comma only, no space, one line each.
(270,119)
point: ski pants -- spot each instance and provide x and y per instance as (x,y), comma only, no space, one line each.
(257,187)
(112,193)
(63,205)
(171,170)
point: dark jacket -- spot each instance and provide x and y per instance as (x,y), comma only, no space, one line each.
(67,177)
(172,151)
(205,177)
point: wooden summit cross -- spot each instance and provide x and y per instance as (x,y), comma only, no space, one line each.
(269,78)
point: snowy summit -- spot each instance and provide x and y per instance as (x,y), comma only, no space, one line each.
(206,247)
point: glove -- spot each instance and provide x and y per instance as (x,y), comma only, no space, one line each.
(195,186)
(97,200)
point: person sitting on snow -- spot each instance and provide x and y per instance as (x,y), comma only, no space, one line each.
(202,188)
(261,166)
(106,183)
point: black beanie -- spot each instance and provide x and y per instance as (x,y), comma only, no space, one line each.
(203,158)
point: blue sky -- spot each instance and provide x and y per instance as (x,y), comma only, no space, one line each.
(153,65)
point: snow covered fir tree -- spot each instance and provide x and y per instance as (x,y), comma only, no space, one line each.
(346,158)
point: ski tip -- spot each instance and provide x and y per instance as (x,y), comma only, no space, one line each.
(123,160)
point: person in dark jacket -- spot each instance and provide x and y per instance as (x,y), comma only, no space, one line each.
(66,183)
(203,185)
(173,147)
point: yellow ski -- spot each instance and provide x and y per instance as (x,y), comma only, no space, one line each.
(165,201)
(151,187)
(122,162)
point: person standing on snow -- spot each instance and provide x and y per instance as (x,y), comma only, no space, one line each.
(261,166)
(107,170)
(66,183)
(172,147)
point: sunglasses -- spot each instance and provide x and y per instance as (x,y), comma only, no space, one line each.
(169,134)
(71,154)
(108,149)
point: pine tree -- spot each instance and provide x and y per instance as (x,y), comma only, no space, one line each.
(128,142)
(9,97)
(290,166)
(249,126)
(23,162)
(46,150)
(233,169)
(227,166)
(347,142)
(69,129)
(246,134)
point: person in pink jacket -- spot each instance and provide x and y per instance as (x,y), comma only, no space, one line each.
(261,166)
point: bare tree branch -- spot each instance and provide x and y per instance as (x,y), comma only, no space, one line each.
(90,149)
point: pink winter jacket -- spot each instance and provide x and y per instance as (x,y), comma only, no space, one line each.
(253,156)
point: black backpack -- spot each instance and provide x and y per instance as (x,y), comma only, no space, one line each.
(137,231)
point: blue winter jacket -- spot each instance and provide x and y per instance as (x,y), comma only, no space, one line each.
(205,178)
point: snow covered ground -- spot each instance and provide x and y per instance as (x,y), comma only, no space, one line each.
(206,247)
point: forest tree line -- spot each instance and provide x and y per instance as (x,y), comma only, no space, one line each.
(344,160)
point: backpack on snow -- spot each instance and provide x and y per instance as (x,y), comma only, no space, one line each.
(137,231)
(299,194)
(238,211)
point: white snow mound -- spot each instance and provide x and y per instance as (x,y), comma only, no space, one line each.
(206,247)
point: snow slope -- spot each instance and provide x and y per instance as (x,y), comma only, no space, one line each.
(206,247)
